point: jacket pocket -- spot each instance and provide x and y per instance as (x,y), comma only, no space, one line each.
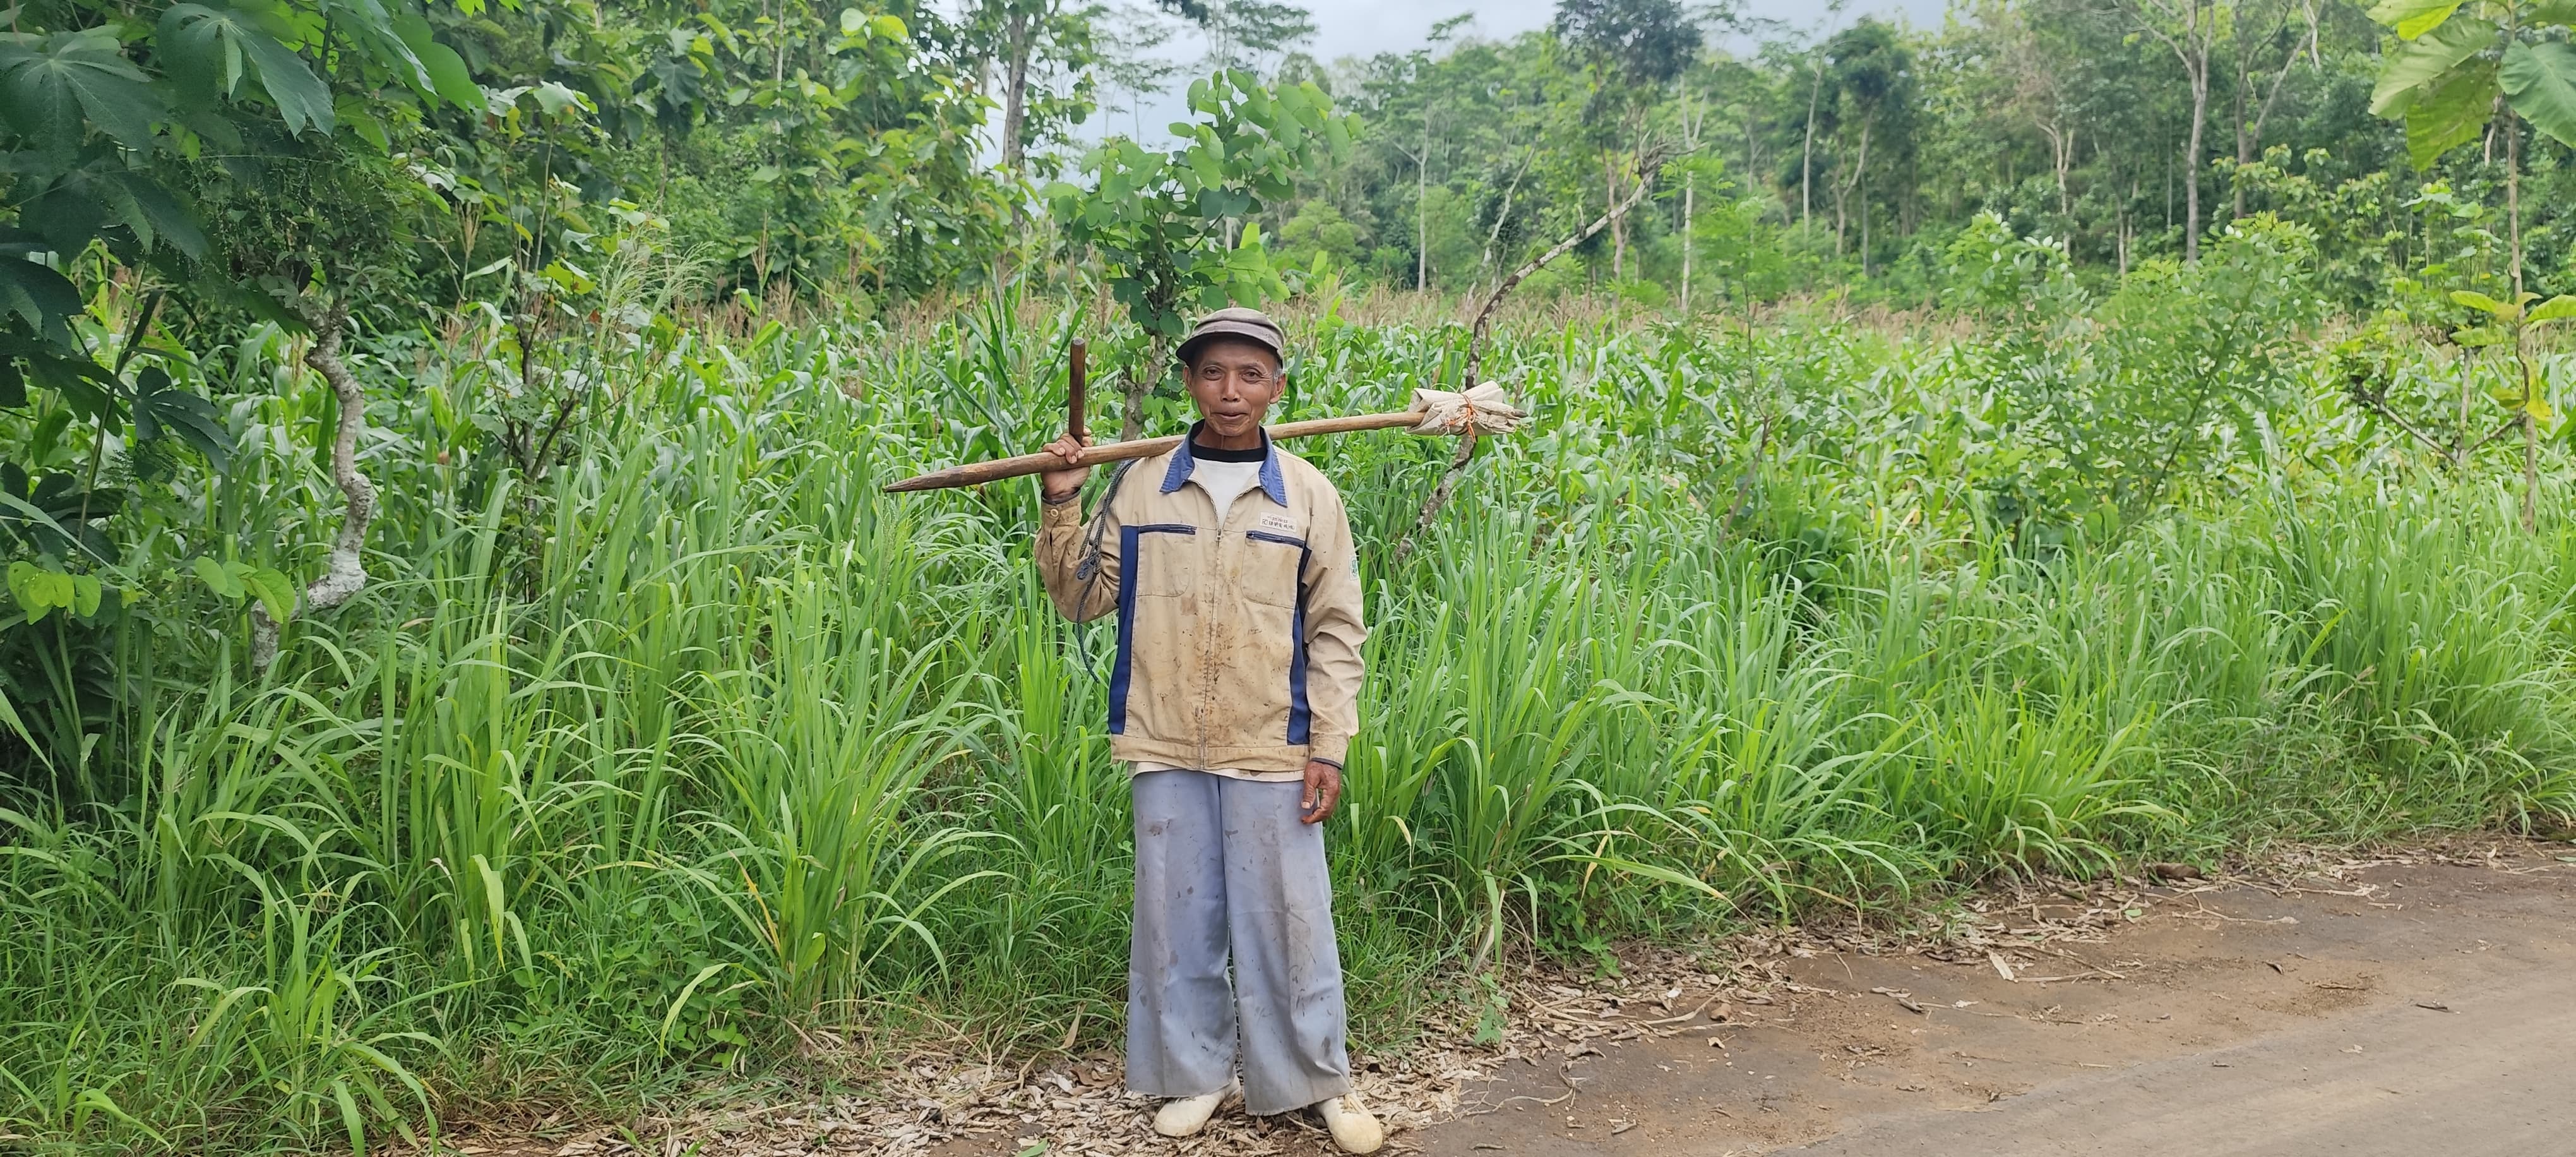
(1257,680)
(1268,568)
(1158,614)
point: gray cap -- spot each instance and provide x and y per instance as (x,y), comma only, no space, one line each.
(1235,321)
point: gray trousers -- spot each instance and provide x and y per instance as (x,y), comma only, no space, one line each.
(1224,867)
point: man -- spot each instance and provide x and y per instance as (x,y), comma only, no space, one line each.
(1235,694)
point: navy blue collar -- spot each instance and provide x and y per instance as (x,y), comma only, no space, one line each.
(1273,483)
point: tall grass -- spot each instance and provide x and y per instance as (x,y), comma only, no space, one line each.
(647,775)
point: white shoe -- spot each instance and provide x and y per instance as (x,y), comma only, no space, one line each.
(1354,1129)
(1185,1116)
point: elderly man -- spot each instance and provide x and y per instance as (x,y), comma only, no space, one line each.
(1235,694)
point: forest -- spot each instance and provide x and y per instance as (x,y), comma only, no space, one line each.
(460,664)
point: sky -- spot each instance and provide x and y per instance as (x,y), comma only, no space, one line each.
(1368,27)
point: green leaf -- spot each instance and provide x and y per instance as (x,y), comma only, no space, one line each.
(22,579)
(554,98)
(46,95)
(2478,301)
(303,101)
(163,410)
(86,591)
(2402,14)
(209,49)
(350,1118)
(2424,61)
(2557,308)
(217,577)
(47,299)
(151,211)
(202,49)
(2451,115)
(448,76)
(274,591)
(2540,82)
(40,590)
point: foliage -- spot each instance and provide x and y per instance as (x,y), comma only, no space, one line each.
(1165,223)
(716,749)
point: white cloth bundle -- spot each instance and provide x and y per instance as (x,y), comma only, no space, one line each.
(1484,408)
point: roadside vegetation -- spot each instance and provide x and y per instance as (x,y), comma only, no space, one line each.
(459,660)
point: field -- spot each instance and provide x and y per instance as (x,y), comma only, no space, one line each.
(695,766)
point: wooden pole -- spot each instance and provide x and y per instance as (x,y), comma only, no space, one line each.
(1074,393)
(976,473)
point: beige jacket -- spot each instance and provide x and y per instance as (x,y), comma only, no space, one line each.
(1239,644)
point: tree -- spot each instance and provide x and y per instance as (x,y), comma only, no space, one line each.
(1023,35)
(1165,223)
(2458,64)
(1870,72)
(1632,49)
(2190,30)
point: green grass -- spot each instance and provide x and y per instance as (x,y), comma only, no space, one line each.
(625,783)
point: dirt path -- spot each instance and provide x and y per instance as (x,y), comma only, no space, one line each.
(2422,1006)
(2401,1011)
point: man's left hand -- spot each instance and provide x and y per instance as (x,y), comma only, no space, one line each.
(1323,791)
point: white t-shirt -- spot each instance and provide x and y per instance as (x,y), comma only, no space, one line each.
(1225,482)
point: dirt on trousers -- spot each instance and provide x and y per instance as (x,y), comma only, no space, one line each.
(2397,1011)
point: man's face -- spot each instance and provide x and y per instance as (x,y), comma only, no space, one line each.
(1234,383)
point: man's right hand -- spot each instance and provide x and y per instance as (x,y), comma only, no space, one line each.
(1058,485)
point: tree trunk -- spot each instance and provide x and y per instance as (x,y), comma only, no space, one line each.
(1690,190)
(1618,234)
(2530,470)
(2235,183)
(2513,195)
(346,573)
(1016,91)
(2191,159)
(1422,209)
(1131,424)
(1842,195)
(1807,155)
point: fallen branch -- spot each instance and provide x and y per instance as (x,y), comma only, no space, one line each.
(1647,166)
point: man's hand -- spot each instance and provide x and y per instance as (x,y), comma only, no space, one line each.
(1057,485)
(1323,791)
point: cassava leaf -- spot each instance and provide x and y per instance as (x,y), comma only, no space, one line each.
(163,410)
(78,77)
(156,212)
(210,47)
(2540,82)
(202,48)
(47,299)
(302,100)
